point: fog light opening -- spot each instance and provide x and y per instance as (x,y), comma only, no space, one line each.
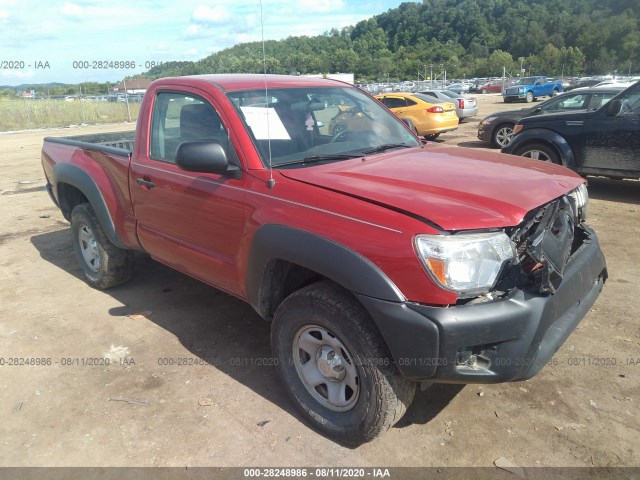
(473,357)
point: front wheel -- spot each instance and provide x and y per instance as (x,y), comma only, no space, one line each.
(502,135)
(529,97)
(433,136)
(538,151)
(104,265)
(335,365)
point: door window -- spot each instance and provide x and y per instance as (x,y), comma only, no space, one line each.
(394,102)
(630,101)
(181,117)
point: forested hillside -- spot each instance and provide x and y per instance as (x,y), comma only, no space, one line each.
(465,37)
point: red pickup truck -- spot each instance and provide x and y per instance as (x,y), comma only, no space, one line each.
(381,261)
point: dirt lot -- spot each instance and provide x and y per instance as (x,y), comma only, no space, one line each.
(142,411)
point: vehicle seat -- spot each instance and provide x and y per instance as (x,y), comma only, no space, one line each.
(200,122)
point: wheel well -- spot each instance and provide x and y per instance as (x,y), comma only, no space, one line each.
(280,279)
(543,143)
(69,197)
(504,124)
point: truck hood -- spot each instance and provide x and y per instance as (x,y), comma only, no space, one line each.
(451,187)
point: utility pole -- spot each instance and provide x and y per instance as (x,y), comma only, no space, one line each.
(126,99)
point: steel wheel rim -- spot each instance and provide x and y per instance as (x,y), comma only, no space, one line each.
(503,136)
(537,155)
(89,248)
(326,368)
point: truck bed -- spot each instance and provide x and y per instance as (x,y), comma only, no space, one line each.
(119,143)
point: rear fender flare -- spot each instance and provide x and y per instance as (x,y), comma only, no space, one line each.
(65,173)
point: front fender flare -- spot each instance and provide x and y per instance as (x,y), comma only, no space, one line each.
(318,254)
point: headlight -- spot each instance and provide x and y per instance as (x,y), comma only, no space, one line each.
(468,264)
(487,120)
(580,201)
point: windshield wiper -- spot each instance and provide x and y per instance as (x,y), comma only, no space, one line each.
(386,146)
(320,158)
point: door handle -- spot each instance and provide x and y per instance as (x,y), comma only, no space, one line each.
(145,183)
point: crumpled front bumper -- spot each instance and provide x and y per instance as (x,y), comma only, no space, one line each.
(507,339)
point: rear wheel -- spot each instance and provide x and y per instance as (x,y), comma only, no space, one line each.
(538,151)
(502,135)
(555,92)
(104,265)
(335,365)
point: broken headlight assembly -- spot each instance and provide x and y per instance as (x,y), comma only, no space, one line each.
(468,264)
(580,202)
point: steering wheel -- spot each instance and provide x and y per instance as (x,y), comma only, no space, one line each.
(341,133)
(358,109)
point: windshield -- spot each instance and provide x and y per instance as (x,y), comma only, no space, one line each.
(300,125)
(525,81)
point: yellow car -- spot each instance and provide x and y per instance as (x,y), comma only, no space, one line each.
(429,116)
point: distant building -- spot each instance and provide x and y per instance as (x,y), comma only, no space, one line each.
(135,86)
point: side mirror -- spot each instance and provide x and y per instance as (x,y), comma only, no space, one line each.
(614,107)
(205,157)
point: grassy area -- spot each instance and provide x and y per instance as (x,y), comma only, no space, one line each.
(27,114)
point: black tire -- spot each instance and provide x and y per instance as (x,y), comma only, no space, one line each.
(539,151)
(529,98)
(433,136)
(104,265)
(329,322)
(502,135)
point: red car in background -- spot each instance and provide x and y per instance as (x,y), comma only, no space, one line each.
(494,86)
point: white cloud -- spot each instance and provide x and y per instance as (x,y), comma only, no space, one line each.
(72,11)
(210,16)
(324,6)
(156,30)
(195,32)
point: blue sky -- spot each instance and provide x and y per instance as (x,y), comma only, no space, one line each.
(41,40)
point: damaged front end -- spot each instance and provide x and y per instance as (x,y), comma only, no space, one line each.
(545,242)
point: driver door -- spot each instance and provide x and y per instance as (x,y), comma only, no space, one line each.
(190,221)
